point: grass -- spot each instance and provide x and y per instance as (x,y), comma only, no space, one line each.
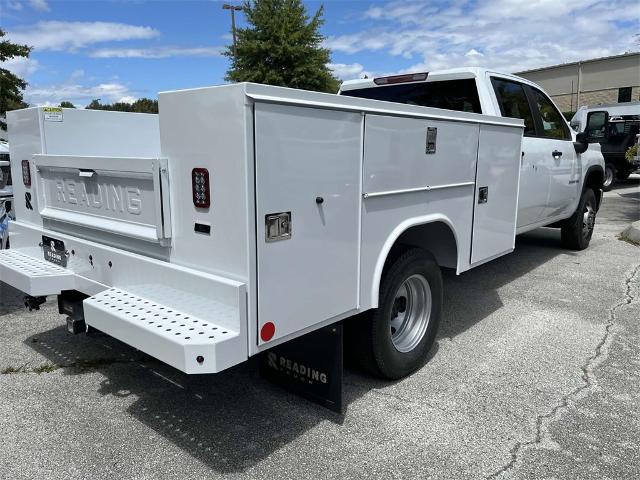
(81,365)
(628,240)
(46,368)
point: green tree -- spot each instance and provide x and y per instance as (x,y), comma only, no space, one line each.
(142,105)
(281,46)
(11,86)
(66,104)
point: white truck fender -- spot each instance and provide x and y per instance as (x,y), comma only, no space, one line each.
(393,237)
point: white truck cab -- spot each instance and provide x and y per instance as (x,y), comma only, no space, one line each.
(552,173)
(244,216)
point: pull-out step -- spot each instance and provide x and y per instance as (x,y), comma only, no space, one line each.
(186,342)
(32,275)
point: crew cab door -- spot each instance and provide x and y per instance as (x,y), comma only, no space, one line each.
(558,157)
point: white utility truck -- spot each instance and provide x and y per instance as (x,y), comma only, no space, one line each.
(244,216)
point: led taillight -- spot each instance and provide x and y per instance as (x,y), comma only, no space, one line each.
(200,187)
(26,173)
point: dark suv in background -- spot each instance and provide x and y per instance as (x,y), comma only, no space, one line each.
(622,135)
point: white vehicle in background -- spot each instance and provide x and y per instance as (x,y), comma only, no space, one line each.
(6,194)
(623,128)
(245,216)
(579,119)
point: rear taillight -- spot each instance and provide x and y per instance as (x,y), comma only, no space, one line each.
(410,77)
(200,187)
(26,173)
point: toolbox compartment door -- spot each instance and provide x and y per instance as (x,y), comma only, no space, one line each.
(308,214)
(125,196)
(496,195)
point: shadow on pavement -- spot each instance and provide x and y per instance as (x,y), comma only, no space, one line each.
(11,300)
(233,420)
(473,295)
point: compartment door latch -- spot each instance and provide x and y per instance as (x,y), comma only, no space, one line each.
(483,194)
(277,226)
(432,134)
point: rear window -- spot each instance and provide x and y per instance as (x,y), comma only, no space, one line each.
(460,95)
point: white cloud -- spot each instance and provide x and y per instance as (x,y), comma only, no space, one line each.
(59,35)
(473,53)
(509,35)
(40,5)
(14,5)
(78,94)
(157,52)
(127,99)
(347,71)
(20,66)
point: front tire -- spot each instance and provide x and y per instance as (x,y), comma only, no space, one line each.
(610,173)
(577,231)
(402,330)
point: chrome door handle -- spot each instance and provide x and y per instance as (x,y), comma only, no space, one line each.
(556,154)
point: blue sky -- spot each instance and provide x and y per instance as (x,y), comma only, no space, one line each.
(121,50)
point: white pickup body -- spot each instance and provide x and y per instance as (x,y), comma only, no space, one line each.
(352,175)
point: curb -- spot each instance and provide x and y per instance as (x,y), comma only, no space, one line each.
(632,233)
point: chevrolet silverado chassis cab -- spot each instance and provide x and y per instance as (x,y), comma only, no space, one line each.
(244,216)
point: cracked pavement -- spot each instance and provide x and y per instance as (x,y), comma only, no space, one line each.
(536,374)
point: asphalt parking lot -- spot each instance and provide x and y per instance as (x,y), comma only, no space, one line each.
(536,374)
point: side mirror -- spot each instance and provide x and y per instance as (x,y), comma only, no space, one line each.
(581,144)
(597,127)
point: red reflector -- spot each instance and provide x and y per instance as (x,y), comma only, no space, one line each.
(409,77)
(267,331)
(200,187)
(26,173)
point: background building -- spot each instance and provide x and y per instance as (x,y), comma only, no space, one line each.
(589,82)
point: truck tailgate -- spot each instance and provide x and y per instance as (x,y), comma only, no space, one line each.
(125,196)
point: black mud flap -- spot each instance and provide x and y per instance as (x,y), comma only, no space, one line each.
(309,366)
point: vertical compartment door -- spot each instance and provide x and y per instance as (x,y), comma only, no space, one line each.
(496,197)
(308,164)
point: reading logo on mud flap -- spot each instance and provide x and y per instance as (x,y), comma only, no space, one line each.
(297,370)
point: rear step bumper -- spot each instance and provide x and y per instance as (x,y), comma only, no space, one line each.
(33,276)
(191,320)
(188,343)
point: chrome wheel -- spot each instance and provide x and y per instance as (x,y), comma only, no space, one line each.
(588,220)
(608,177)
(410,313)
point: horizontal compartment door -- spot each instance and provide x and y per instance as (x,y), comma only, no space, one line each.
(125,196)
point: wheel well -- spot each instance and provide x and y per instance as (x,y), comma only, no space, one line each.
(435,237)
(594,181)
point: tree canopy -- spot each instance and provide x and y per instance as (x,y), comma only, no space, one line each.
(142,105)
(282,46)
(11,86)
(66,104)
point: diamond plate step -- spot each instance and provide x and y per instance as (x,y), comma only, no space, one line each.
(186,342)
(32,275)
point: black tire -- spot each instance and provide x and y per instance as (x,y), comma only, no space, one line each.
(610,173)
(377,351)
(577,230)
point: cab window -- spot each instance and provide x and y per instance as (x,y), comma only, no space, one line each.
(460,95)
(551,121)
(513,102)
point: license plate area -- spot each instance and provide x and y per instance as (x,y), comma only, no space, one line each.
(54,251)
